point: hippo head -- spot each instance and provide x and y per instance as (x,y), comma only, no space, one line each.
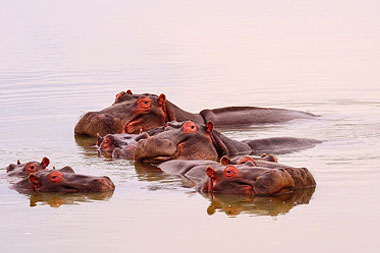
(112,144)
(24,169)
(231,180)
(64,180)
(130,113)
(190,141)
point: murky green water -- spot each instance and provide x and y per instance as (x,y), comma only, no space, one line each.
(61,59)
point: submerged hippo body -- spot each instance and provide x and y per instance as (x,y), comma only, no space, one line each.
(195,170)
(24,169)
(133,113)
(64,180)
(194,141)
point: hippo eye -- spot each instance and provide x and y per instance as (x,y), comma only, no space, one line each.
(144,103)
(189,127)
(30,168)
(55,177)
(230,171)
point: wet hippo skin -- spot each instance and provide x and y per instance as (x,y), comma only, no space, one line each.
(123,145)
(248,180)
(24,169)
(64,180)
(194,141)
(245,179)
(134,113)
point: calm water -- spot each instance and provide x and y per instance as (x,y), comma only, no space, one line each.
(59,60)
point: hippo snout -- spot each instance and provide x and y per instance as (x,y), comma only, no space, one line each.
(102,184)
(93,123)
(153,148)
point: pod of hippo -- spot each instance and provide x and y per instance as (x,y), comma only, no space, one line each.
(150,129)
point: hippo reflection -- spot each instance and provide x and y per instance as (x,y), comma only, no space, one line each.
(233,205)
(57,199)
(134,113)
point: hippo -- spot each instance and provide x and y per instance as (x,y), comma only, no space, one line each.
(134,113)
(64,180)
(256,181)
(123,145)
(24,169)
(243,178)
(194,141)
(119,145)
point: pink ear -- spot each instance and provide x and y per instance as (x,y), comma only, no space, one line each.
(210,126)
(33,179)
(161,99)
(45,162)
(99,139)
(210,172)
(225,160)
(129,92)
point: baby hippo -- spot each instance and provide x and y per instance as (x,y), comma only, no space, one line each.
(119,145)
(64,180)
(24,169)
(123,145)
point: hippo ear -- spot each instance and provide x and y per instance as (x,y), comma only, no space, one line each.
(18,162)
(225,160)
(218,143)
(161,99)
(99,139)
(247,160)
(67,169)
(270,158)
(210,126)
(210,172)
(129,92)
(34,180)
(45,162)
(141,136)
(119,95)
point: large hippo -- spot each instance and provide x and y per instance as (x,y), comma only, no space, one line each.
(254,181)
(64,180)
(194,141)
(244,178)
(134,113)
(24,169)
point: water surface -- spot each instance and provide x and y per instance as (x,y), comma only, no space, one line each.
(60,60)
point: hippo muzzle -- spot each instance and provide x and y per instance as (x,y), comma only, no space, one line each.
(156,150)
